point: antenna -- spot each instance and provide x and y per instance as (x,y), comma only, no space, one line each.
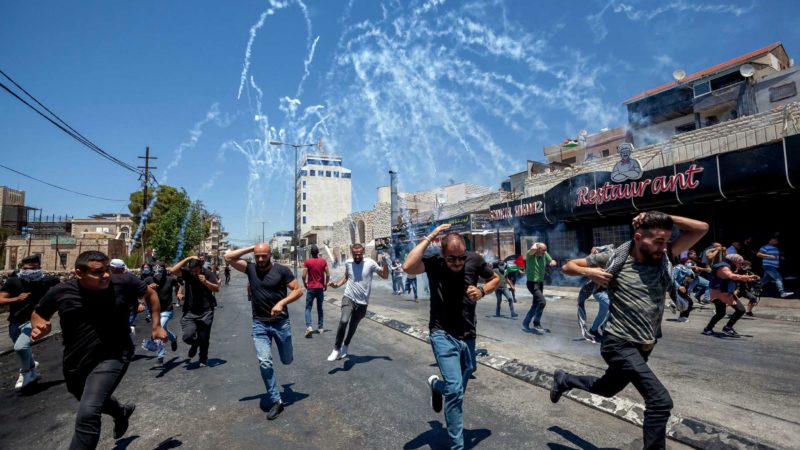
(747,70)
(679,74)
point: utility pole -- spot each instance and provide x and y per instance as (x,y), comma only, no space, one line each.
(146,181)
(262,231)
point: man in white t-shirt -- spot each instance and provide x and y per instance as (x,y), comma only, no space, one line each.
(358,276)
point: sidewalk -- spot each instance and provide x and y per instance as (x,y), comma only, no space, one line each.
(728,393)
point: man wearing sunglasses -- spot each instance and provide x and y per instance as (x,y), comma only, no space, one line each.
(93,309)
(453,279)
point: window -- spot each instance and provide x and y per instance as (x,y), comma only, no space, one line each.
(328,173)
(684,128)
(303,173)
(570,160)
(702,88)
(304,195)
(782,92)
(304,183)
(605,153)
(312,172)
(346,175)
(62,256)
(304,219)
(335,174)
(611,234)
(562,243)
(304,208)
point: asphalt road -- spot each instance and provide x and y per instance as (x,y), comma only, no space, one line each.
(376,398)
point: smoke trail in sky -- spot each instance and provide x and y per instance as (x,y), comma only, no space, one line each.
(274,5)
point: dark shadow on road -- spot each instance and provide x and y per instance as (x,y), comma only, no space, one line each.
(139,356)
(288,397)
(38,387)
(124,442)
(168,443)
(436,437)
(212,362)
(503,316)
(352,360)
(169,365)
(580,443)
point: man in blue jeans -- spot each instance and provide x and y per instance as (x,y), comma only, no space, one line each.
(272,287)
(452,319)
(771,260)
(164,283)
(315,279)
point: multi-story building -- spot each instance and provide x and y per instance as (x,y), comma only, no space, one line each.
(214,244)
(324,191)
(282,242)
(12,208)
(585,148)
(103,226)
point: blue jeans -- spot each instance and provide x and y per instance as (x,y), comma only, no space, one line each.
(165,317)
(311,294)
(263,335)
(397,284)
(21,336)
(703,283)
(602,313)
(537,307)
(411,283)
(500,293)
(456,360)
(772,272)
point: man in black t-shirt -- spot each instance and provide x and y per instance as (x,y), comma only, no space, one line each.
(93,310)
(199,285)
(273,287)
(453,280)
(21,292)
(165,284)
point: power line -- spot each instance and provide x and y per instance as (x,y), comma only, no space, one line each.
(65,127)
(62,188)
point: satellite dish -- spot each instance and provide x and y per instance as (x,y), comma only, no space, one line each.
(584,132)
(747,70)
(679,74)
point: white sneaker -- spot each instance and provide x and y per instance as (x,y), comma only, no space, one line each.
(673,308)
(20,380)
(320,330)
(309,330)
(29,377)
(787,294)
(343,352)
(334,355)
(683,319)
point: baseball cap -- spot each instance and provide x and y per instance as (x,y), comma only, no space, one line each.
(118,264)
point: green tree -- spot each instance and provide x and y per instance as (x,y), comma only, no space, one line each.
(166,229)
(167,197)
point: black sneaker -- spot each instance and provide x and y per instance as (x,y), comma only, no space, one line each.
(192,351)
(537,326)
(557,389)
(147,319)
(121,423)
(276,409)
(749,314)
(202,363)
(175,345)
(160,360)
(708,331)
(598,338)
(436,397)
(730,332)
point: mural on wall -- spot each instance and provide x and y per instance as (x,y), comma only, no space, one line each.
(627,168)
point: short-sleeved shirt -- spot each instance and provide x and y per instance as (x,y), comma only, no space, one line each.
(267,289)
(316,272)
(94,324)
(772,263)
(20,312)
(359,279)
(535,266)
(165,289)
(198,298)
(452,310)
(637,296)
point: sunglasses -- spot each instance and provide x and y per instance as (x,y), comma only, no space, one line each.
(452,258)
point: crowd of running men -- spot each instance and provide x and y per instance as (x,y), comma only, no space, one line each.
(630,281)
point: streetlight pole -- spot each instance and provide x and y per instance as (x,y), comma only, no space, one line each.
(295,232)
(262,230)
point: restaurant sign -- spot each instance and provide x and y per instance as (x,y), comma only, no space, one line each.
(610,192)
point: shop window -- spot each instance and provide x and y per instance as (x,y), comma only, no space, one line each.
(610,234)
(563,244)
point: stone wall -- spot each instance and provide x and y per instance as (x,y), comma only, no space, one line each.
(361,227)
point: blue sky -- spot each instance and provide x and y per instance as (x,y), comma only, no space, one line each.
(437,90)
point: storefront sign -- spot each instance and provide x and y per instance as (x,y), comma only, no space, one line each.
(609,192)
(524,208)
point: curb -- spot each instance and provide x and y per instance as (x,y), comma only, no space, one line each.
(691,431)
(51,335)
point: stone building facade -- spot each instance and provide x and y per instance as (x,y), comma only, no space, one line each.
(59,253)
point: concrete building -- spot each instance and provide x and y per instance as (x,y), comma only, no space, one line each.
(281,241)
(587,148)
(12,208)
(214,244)
(59,252)
(324,192)
(103,226)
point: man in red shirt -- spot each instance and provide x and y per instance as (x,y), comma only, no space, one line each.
(315,280)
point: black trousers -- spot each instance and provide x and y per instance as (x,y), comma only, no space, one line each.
(352,313)
(197,330)
(738,312)
(688,310)
(93,388)
(627,363)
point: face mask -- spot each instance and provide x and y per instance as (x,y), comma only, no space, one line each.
(146,272)
(30,274)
